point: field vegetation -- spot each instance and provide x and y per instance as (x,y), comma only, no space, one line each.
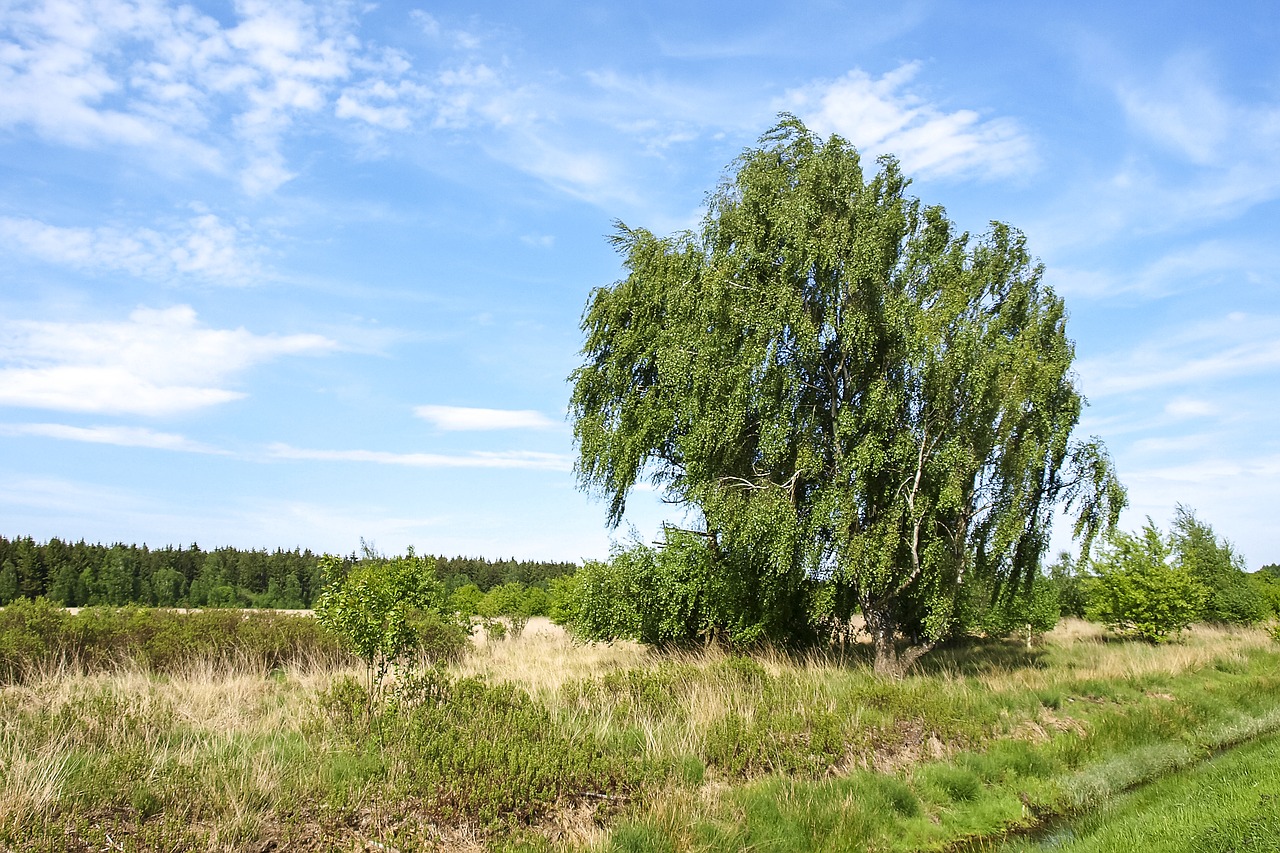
(1225,805)
(543,742)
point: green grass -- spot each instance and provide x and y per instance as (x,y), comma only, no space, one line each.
(539,743)
(1230,804)
(1122,731)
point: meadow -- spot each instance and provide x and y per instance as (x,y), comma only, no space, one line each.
(539,742)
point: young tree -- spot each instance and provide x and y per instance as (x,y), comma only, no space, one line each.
(1230,597)
(506,600)
(1138,591)
(376,607)
(840,385)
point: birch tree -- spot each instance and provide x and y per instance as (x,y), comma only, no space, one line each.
(840,385)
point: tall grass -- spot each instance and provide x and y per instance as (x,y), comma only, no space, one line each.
(544,743)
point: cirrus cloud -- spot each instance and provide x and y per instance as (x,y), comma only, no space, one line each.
(524,459)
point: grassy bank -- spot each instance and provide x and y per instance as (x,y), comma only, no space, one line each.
(1230,804)
(541,743)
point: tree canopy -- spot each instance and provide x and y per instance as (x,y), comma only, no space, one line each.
(839,384)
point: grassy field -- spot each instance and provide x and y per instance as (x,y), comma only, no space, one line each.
(545,744)
(1230,804)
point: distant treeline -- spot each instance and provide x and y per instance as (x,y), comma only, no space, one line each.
(80,574)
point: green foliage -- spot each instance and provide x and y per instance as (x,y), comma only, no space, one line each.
(8,582)
(561,595)
(1070,585)
(1216,565)
(376,607)
(465,600)
(472,753)
(676,594)
(76,574)
(1030,610)
(843,386)
(37,636)
(508,600)
(1137,591)
(1267,588)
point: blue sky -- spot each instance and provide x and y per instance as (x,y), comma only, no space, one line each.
(278,274)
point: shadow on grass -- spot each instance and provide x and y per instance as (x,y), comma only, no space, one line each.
(978,656)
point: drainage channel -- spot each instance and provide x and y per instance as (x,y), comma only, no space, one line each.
(1055,830)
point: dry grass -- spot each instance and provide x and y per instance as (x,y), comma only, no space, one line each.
(242,744)
(198,741)
(544,658)
(1084,651)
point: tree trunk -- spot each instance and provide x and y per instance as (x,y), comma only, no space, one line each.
(891,659)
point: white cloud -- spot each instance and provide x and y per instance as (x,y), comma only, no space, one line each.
(1235,346)
(521,459)
(1206,264)
(158,362)
(1236,495)
(882,116)
(1235,146)
(121,436)
(460,418)
(1198,155)
(382,105)
(1180,110)
(1185,407)
(204,247)
(173,80)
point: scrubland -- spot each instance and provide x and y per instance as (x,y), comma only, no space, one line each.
(539,742)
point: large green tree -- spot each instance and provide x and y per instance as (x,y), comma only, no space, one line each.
(840,385)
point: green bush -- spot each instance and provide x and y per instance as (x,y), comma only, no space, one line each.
(509,601)
(470,752)
(1136,591)
(676,594)
(379,606)
(36,635)
(1028,610)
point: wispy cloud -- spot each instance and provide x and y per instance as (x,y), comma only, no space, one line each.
(459,418)
(1204,264)
(1198,153)
(1234,145)
(121,436)
(196,91)
(520,459)
(884,116)
(1238,345)
(158,362)
(204,247)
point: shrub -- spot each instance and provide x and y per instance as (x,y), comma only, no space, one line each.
(37,634)
(677,594)
(1028,610)
(1138,593)
(507,600)
(439,639)
(473,753)
(378,608)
